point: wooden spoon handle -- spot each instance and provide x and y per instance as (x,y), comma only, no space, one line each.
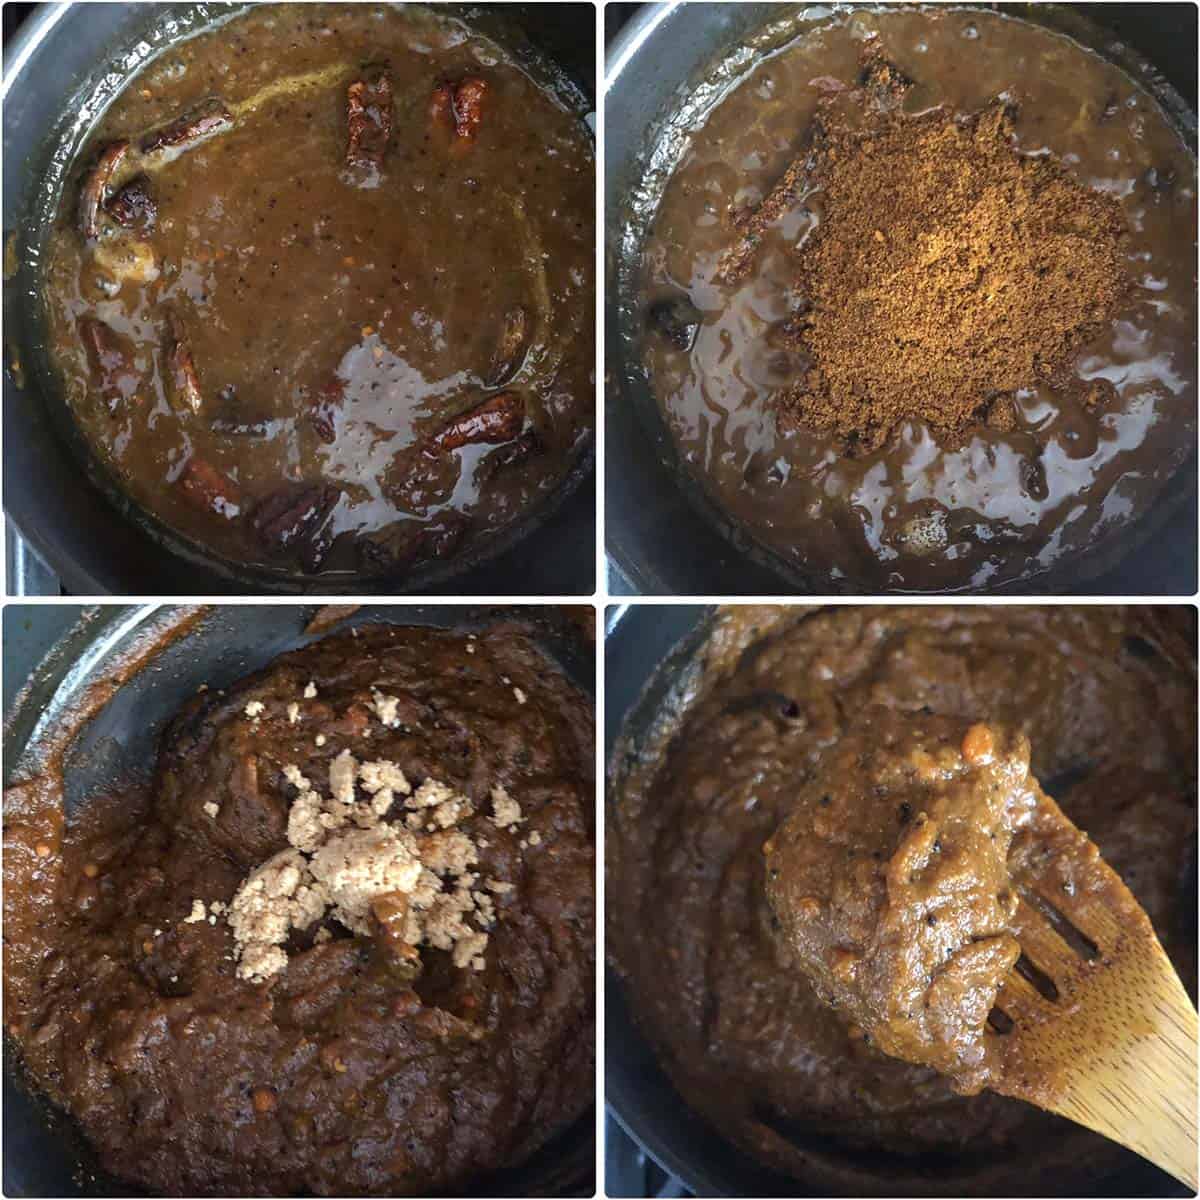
(1140,1090)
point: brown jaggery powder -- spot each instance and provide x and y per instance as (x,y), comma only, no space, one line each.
(947,272)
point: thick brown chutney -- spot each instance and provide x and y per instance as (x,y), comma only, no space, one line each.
(890,883)
(339,1075)
(1108,705)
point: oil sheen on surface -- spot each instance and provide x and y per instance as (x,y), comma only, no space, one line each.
(925,512)
(298,278)
(341,1075)
(1111,722)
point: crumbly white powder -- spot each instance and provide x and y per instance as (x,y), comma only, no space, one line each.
(507,811)
(344,855)
(277,897)
(386,708)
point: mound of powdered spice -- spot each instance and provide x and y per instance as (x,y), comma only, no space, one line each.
(947,272)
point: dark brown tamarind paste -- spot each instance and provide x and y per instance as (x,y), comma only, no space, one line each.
(1102,700)
(204,1045)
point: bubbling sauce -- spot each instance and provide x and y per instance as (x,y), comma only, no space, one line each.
(926,509)
(345,329)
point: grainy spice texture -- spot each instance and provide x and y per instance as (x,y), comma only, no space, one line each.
(761,407)
(948,271)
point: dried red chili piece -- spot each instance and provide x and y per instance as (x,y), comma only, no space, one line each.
(468,105)
(368,121)
(110,357)
(210,489)
(458,106)
(499,418)
(296,518)
(95,187)
(187,131)
(182,380)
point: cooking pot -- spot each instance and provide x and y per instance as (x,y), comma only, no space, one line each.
(52,655)
(61,69)
(651,665)
(664,534)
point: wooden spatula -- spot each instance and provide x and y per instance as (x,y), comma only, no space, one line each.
(1095,1025)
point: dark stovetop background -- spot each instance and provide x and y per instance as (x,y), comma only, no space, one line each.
(14,14)
(24,572)
(628,1170)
